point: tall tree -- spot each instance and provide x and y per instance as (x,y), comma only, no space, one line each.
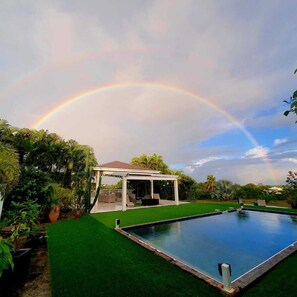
(9,165)
(210,183)
(292,102)
(223,190)
(154,162)
(9,170)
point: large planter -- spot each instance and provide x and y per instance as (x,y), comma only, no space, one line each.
(13,278)
(54,214)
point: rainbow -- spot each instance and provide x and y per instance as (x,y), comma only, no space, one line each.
(174,89)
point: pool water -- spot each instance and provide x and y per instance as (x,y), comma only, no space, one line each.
(243,241)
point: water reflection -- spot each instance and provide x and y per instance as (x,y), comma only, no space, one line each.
(242,215)
(294,218)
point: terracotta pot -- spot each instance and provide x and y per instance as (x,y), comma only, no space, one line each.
(77,215)
(54,214)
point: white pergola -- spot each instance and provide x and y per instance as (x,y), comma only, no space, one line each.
(127,172)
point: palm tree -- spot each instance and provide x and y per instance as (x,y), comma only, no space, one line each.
(9,169)
(223,190)
(210,183)
(9,165)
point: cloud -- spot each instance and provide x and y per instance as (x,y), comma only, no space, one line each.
(293,160)
(257,152)
(56,50)
(201,162)
(278,141)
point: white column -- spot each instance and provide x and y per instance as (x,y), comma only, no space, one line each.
(124,194)
(176,192)
(152,188)
(97,178)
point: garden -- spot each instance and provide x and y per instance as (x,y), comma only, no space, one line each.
(44,178)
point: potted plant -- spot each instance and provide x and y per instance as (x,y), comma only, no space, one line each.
(53,203)
(54,212)
(22,217)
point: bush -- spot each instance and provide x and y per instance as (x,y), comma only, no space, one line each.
(6,260)
(22,216)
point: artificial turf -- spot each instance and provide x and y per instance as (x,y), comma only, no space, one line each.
(88,258)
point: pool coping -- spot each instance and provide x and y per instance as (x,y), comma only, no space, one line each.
(238,284)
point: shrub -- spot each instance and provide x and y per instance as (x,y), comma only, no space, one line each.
(6,260)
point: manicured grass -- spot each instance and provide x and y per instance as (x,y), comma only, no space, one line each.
(88,258)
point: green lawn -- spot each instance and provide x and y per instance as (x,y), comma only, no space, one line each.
(88,258)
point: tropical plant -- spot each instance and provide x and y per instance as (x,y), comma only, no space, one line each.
(292,102)
(154,162)
(34,184)
(6,260)
(22,216)
(62,196)
(291,189)
(186,185)
(223,190)
(9,165)
(210,183)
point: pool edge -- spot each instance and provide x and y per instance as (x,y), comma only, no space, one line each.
(238,284)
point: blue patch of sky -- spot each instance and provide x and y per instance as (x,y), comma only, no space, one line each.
(177,166)
(230,139)
(266,137)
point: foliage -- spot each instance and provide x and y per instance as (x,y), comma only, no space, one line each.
(292,179)
(200,192)
(61,196)
(252,191)
(46,159)
(34,184)
(223,190)
(154,162)
(9,165)
(186,184)
(292,102)
(23,216)
(6,260)
(210,183)
(291,189)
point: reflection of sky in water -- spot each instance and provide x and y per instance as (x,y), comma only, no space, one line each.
(244,241)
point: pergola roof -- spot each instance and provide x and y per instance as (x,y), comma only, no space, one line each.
(121,169)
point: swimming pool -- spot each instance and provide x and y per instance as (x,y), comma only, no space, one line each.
(243,241)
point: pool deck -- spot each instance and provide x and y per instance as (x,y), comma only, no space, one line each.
(237,285)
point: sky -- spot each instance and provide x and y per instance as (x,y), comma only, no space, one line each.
(200,83)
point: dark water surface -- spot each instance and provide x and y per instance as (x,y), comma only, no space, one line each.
(244,241)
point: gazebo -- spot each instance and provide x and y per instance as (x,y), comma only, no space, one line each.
(127,172)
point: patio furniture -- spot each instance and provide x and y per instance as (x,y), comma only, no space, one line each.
(261,202)
(107,198)
(129,203)
(132,198)
(149,200)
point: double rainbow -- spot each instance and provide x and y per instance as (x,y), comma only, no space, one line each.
(154,85)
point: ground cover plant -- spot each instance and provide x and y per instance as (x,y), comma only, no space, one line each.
(87,257)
